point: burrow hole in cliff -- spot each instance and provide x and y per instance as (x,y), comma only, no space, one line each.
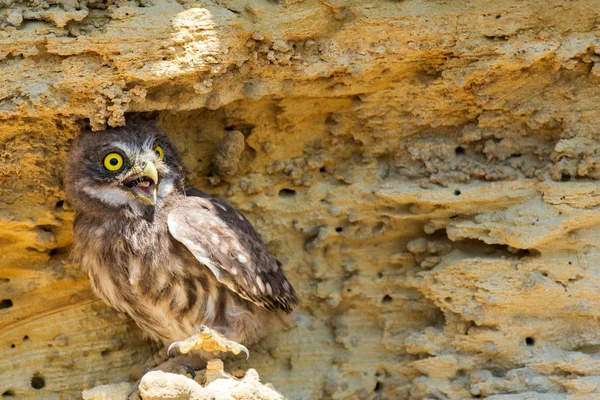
(38,381)
(8,393)
(5,303)
(529,341)
(286,193)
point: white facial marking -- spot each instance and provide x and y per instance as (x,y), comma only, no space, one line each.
(269,289)
(165,187)
(242,258)
(108,195)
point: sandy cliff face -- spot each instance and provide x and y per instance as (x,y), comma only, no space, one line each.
(426,171)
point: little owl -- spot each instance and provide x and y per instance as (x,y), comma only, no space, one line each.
(186,266)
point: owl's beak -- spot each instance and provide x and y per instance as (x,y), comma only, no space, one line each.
(143,182)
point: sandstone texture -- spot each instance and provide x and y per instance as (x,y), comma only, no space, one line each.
(425,170)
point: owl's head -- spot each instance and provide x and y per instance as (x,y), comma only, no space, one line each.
(133,168)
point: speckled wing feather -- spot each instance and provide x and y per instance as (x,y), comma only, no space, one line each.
(223,240)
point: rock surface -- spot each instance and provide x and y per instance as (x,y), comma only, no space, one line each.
(215,384)
(426,172)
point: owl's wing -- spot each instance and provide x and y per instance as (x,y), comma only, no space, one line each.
(222,239)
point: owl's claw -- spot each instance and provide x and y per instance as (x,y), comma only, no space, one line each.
(208,340)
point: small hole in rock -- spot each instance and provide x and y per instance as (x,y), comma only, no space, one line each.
(530,341)
(60,203)
(380,274)
(457,192)
(378,387)
(37,381)
(105,353)
(6,303)
(339,229)
(565,178)
(322,170)
(459,150)
(8,393)
(12,346)
(498,16)
(287,193)
(570,263)
(229,128)
(386,299)
(25,338)
(4,280)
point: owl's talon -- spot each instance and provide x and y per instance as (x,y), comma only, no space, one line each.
(208,340)
(245,350)
(174,344)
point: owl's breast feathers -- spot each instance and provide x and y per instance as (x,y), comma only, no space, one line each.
(197,261)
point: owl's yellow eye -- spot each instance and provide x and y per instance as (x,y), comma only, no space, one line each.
(159,152)
(113,162)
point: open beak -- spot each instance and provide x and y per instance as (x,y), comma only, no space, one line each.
(143,183)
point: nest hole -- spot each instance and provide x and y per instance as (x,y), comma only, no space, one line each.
(457,192)
(386,299)
(8,393)
(529,341)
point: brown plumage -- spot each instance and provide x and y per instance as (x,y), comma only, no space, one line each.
(169,256)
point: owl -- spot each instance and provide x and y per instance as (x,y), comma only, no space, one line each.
(188,267)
